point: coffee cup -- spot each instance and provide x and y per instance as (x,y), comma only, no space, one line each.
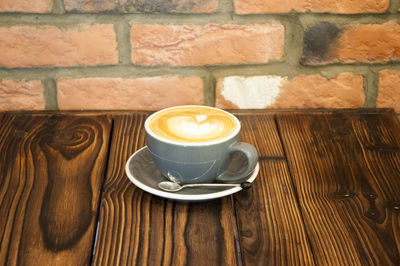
(195,144)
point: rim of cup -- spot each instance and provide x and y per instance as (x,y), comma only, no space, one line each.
(203,143)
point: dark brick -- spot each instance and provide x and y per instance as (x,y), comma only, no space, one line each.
(142,6)
(325,43)
(317,42)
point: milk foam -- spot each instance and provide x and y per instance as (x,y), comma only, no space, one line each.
(193,124)
(200,118)
(186,127)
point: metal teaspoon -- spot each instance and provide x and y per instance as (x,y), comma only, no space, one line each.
(174,187)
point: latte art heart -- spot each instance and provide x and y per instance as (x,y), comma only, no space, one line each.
(187,127)
(193,124)
(200,118)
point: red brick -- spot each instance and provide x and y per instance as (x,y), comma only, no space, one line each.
(174,6)
(389,90)
(304,91)
(84,44)
(370,43)
(29,6)
(182,45)
(316,6)
(148,93)
(22,95)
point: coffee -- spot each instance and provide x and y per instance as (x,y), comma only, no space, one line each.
(193,124)
(194,144)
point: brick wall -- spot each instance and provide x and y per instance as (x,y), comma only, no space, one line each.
(150,54)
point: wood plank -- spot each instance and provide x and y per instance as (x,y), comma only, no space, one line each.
(270,225)
(52,169)
(379,138)
(136,228)
(348,193)
(260,131)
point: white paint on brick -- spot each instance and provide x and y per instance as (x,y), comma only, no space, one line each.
(252,92)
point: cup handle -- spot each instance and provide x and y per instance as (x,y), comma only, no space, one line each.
(252,157)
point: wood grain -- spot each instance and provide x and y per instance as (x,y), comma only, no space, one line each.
(260,131)
(346,173)
(270,225)
(136,228)
(52,168)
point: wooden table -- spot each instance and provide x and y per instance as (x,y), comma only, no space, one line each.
(328,193)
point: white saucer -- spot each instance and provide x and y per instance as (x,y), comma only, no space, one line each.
(142,172)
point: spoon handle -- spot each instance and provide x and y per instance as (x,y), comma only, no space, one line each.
(244,185)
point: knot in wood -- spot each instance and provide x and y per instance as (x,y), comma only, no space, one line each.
(372,196)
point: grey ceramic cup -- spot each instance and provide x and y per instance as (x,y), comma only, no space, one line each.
(200,162)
